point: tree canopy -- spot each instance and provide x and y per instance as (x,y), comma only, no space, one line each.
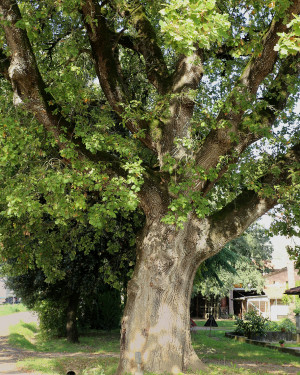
(184,109)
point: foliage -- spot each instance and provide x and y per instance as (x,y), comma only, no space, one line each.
(82,254)
(82,283)
(289,43)
(52,316)
(187,25)
(252,324)
(285,324)
(288,325)
(108,308)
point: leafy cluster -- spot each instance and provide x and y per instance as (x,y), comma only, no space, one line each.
(252,324)
(289,43)
(187,25)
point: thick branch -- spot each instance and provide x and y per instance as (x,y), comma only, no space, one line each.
(219,142)
(234,218)
(146,44)
(274,101)
(29,88)
(103,43)
(185,81)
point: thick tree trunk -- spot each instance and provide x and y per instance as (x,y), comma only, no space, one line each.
(71,325)
(156,320)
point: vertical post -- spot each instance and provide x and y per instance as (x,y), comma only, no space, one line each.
(298,327)
(231,307)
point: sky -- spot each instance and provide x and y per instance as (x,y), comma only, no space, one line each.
(280,256)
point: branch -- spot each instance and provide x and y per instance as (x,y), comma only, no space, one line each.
(146,44)
(233,219)
(4,64)
(185,81)
(260,66)
(30,91)
(108,68)
(274,101)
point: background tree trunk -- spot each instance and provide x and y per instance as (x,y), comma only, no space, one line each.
(71,326)
(156,320)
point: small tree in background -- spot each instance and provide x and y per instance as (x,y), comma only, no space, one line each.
(242,261)
(85,284)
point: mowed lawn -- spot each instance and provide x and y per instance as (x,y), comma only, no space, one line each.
(97,353)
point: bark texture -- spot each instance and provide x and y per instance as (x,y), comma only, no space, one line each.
(156,319)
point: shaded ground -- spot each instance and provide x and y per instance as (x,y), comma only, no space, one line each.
(9,355)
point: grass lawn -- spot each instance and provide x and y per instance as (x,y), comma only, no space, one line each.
(27,336)
(222,355)
(10,309)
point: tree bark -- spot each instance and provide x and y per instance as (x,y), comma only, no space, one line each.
(71,325)
(156,320)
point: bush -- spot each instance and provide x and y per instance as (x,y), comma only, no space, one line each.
(287,325)
(253,324)
(272,326)
(52,317)
(102,312)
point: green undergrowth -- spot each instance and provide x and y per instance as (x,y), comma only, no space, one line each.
(11,309)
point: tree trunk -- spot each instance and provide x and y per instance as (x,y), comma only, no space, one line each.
(156,320)
(71,326)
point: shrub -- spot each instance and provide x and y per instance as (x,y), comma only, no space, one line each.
(287,325)
(253,324)
(272,326)
(53,319)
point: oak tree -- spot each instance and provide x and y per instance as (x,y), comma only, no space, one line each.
(185,109)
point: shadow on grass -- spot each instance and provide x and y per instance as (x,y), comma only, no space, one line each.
(31,327)
(19,340)
(81,365)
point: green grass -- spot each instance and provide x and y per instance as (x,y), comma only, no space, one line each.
(217,347)
(22,334)
(10,309)
(221,354)
(82,366)
(27,336)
